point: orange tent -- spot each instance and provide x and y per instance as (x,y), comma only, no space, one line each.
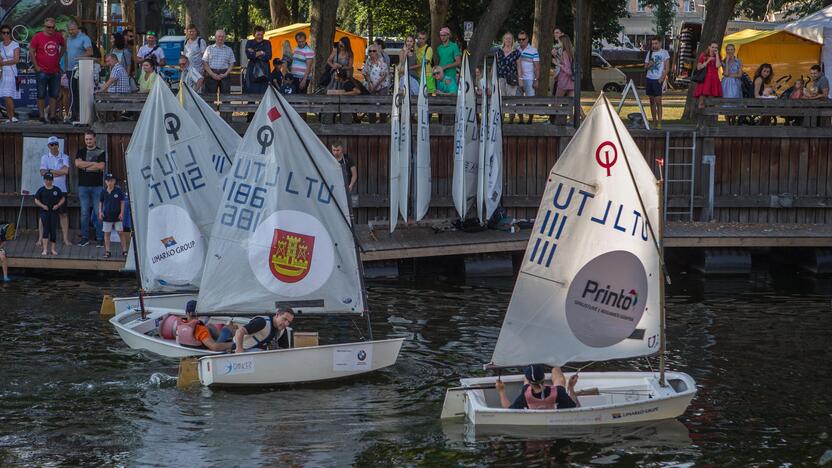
(287,33)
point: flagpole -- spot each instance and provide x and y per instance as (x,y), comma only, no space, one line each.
(358,248)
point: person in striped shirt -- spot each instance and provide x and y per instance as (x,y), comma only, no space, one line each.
(528,69)
(303,60)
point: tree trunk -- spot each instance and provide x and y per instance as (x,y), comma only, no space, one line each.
(438,15)
(153,20)
(294,12)
(717,15)
(484,32)
(279,13)
(586,52)
(545,12)
(196,13)
(322,32)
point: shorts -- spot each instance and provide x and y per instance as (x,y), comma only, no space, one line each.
(49,84)
(654,88)
(62,209)
(108,226)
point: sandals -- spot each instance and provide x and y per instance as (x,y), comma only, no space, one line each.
(107,255)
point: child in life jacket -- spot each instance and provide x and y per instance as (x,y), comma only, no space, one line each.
(192,332)
(536,395)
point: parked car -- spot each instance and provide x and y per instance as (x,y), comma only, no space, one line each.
(604,76)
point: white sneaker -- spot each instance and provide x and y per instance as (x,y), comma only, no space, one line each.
(13,120)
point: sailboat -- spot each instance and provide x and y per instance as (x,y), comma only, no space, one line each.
(464,184)
(492,173)
(400,149)
(222,142)
(283,237)
(423,175)
(590,288)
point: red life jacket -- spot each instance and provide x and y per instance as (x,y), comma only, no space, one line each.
(185,333)
(167,327)
(545,403)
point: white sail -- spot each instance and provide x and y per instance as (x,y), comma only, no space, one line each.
(221,139)
(588,287)
(481,155)
(394,164)
(404,145)
(282,233)
(493,170)
(423,175)
(173,193)
(464,185)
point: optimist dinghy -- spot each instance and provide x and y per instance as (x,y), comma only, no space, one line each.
(591,288)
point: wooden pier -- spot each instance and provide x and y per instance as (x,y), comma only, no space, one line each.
(741,186)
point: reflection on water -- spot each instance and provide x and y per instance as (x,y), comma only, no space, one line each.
(72,394)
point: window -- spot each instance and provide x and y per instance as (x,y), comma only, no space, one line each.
(690,6)
(639,5)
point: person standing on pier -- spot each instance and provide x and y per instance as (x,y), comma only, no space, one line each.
(46,50)
(56,164)
(111,206)
(656,65)
(217,62)
(9,57)
(347,168)
(303,61)
(193,49)
(49,198)
(90,163)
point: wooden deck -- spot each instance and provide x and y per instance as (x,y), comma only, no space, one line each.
(424,241)
(23,253)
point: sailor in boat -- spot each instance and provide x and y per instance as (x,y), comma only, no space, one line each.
(260,332)
(536,395)
(195,334)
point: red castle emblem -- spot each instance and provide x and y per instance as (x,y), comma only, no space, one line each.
(290,257)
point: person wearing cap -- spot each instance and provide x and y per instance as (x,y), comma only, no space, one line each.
(111,213)
(192,332)
(536,395)
(90,162)
(260,332)
(449,55)
(150,48)
(49,198)
(57,163)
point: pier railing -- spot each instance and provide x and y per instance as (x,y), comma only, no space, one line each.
(768,112)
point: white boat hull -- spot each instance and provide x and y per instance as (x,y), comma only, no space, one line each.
(134,332)
(299,365)
(624,397)
(167,301)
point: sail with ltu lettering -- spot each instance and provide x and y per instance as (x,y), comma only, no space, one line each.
(282,233)
(464,185)
(423,175)
(173,193)
(221,139)
(588,287)
(482,134)
(404,144)
(493,171)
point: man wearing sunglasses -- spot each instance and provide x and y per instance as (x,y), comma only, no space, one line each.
(46,49)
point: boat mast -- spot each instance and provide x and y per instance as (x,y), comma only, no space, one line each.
(205,119)
(135,248)
(357,245)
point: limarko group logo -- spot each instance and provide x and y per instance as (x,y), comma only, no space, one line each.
(291,253)
(174,245)
(607,299)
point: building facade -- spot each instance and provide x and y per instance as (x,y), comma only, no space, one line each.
(641,25)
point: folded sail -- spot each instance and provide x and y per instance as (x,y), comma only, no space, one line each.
(395,157)
(493,171)
(588,287)
(282,233)
(173,193)
(404,145)
(423,175)
(221,139)
(483,135)
(464,187)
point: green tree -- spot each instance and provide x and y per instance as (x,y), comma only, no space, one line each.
(664,13)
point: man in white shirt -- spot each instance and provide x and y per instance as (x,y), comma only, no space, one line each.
(57,163)
(217,62)
(190,75)
(528,69)
(151,48)
(193,50)
(655,62)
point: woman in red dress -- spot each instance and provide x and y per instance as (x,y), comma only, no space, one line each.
(711,87)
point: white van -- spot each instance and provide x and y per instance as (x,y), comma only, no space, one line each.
(604,76)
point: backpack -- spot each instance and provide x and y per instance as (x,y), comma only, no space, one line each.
(747,86)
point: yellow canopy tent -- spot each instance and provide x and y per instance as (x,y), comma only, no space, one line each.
(790,55)
(287,33)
